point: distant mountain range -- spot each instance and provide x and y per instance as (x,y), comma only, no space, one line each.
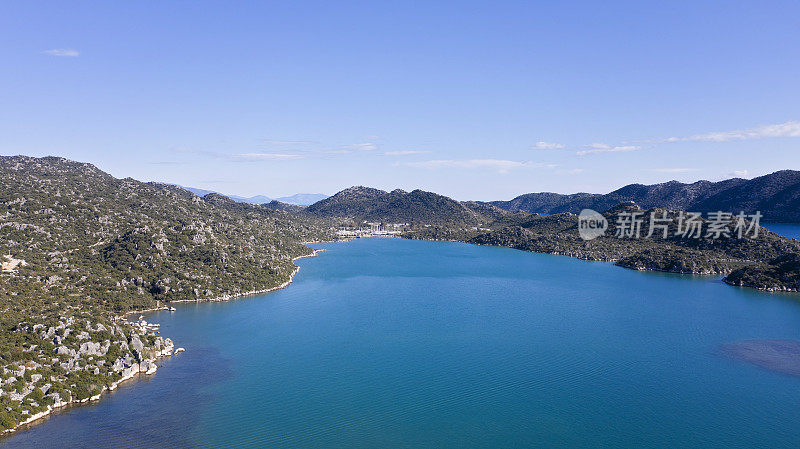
(299,199)
(302,199)
(776,195)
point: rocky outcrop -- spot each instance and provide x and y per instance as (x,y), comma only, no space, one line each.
(132,350)
(91,348)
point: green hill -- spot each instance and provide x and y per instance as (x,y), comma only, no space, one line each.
(80,247)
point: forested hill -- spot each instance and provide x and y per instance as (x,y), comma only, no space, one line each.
(776,195)
(416,208)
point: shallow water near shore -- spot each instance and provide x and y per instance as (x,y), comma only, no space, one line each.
(385,342)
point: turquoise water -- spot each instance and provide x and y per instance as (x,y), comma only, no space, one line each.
(395,343)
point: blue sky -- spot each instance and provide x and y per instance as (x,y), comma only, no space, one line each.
(476,100)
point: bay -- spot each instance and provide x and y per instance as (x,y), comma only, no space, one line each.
(397,343)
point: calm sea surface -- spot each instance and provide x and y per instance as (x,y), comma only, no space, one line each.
(396,343)
(790,230)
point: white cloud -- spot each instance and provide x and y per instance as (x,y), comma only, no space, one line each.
(405,152)
(366,146)
(547,146)
(788,129)
(500,165)
(675,170)
(605,148)
(68,52)
(252,157)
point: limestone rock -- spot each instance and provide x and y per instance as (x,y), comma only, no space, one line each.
(90,348)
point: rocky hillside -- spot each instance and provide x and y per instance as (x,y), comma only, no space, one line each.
(776,195)
(416,208)
(81,247)
(131,243)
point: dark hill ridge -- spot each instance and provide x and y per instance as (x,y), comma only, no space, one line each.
(776,195)
(398,206)
(781,273)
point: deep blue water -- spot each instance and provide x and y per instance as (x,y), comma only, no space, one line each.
(396,343)
(791,230)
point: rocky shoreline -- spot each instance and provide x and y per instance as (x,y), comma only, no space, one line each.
(145,366)
(139,358)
